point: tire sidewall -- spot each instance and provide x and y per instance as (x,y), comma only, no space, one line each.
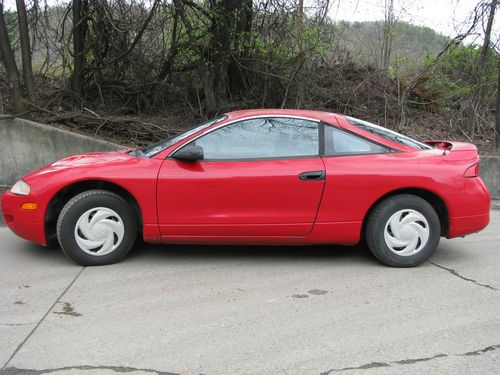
(376,228)
(84,202)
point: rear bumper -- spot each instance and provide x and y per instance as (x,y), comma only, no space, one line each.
(470,211)
(25,223)
(461,226)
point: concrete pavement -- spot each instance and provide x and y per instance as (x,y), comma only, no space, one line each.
(247,310)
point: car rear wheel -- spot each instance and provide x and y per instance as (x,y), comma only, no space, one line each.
(403,231)
(96,227)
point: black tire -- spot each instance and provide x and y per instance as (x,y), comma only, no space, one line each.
(397,206)
(102,201)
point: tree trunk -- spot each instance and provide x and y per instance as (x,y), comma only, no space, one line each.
(172,52)
(205,73)
(301,56)
(229,19)
(497,114)
(487,34)
(29,81)
(80,8)
(237,78)
(478,97)
(9,63)
(387,36)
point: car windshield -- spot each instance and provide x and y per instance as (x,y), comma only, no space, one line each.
(388,134)
(162,145)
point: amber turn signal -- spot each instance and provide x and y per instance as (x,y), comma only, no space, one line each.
(29,206)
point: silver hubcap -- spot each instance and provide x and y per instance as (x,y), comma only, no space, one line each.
(99,231)
(406,232)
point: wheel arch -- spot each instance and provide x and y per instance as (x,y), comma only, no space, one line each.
(432,198)
(58,201)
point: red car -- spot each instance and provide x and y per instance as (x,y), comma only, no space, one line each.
(258,177)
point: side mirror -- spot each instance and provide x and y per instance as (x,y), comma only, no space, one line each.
(189,153)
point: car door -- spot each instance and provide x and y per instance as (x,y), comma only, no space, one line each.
(259,177)
(359,171)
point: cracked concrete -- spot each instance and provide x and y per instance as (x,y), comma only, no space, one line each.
(43,317)
(123,369)
(411,361)
(16,324)
(455,273)
(247,310)
(78,369)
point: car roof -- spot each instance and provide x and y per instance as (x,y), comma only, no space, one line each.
(319,115)
(327,117)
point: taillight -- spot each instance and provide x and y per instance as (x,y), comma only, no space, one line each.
(472,171)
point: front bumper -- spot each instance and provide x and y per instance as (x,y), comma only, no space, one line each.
(27,224)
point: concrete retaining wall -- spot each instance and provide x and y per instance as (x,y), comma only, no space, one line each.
(27,145)
(489,170)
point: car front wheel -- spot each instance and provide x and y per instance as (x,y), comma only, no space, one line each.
(96,227)
(403,231)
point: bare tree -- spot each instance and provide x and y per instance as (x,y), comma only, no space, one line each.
(228,21)
(487,34)
(301,55)
(166,68)
(488,10)
(29,81)
(80,10)
(497,114)
(9,63)
(388,30)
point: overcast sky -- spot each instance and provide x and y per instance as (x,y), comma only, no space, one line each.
(448,17)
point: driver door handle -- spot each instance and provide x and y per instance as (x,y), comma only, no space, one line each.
(312,176)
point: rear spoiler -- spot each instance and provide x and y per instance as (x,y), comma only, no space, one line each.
(455,150)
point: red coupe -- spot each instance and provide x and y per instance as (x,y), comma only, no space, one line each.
(258,177)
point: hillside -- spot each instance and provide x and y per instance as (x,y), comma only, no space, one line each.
(363,40)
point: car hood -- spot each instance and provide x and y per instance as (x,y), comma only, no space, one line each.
(90,160)
(93,158)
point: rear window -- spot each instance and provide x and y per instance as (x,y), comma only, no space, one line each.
(388,134)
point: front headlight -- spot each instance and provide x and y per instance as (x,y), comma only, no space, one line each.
(20,188)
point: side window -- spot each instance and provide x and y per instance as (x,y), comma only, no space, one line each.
(339,142)
(262,138)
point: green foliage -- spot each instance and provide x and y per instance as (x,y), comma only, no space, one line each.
(398,64)
(457,64)
(11,23)
(456,74)
(313,40)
